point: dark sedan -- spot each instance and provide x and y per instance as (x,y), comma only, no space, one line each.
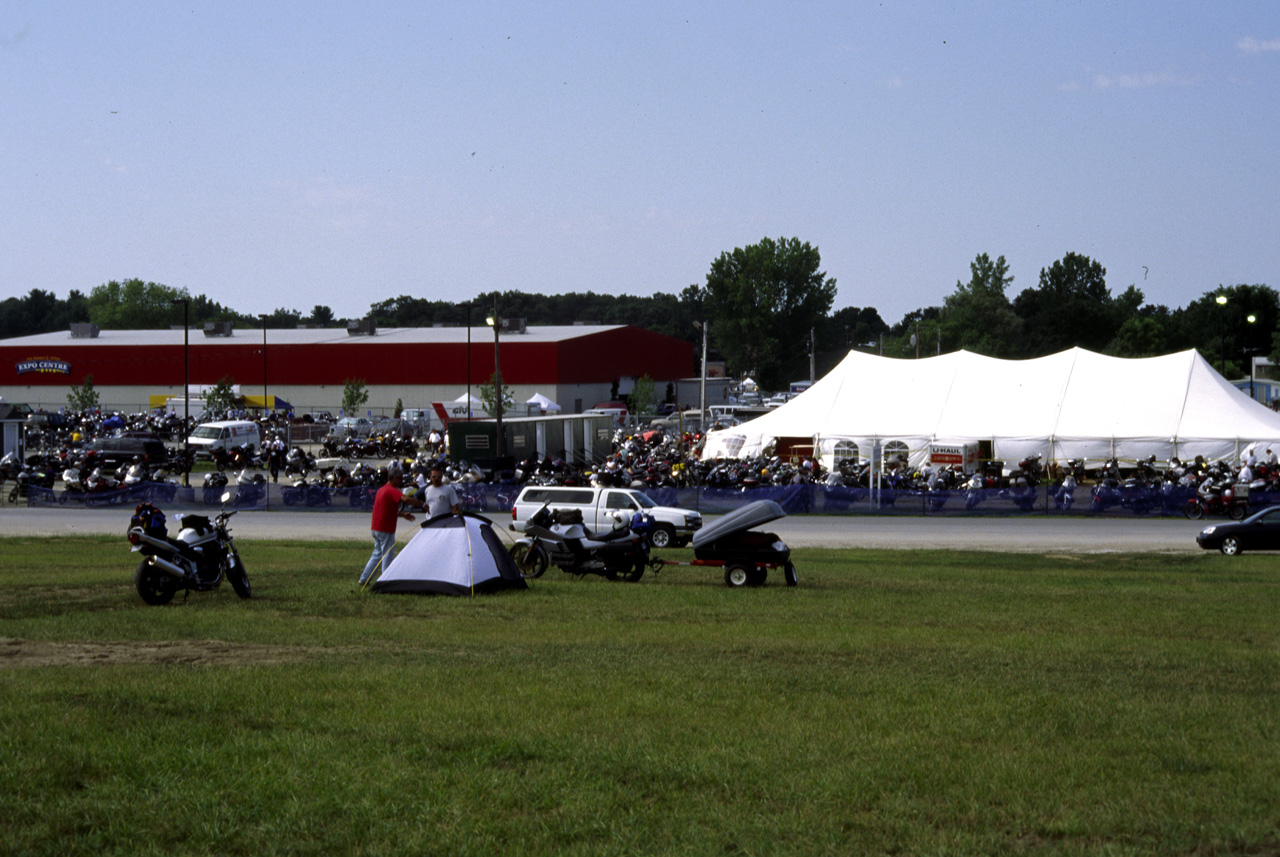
(1255,533)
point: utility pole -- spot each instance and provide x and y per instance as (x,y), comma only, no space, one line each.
(497,382)
(812,359)
(703,326)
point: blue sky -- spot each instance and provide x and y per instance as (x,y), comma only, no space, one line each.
(293,154)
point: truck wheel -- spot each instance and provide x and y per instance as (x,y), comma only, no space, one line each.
(737,576)
(663,536)
(789,571)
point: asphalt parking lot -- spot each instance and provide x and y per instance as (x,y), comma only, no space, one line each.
(1035,534)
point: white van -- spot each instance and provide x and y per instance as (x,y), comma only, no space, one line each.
(224,435)
(673,527)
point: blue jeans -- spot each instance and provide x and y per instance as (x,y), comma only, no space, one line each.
(384,545)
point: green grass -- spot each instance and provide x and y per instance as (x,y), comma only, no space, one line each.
(909,702)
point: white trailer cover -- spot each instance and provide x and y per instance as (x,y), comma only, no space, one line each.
(1076,404)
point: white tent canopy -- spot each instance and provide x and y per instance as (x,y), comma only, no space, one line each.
(1075,404)
(544,404)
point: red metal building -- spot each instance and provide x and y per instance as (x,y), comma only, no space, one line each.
(575,366)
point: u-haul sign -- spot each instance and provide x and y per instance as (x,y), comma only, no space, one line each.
(950,454)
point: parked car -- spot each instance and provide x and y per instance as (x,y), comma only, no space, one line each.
(1256,532)
(673,527)
(357,426)
(115,451)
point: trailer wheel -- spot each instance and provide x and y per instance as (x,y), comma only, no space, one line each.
(756,575)
(737,576)
(789,571)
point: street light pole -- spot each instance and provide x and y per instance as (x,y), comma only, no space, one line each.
(186,390)
(1222,336)
(496,321)
(468,305)
(265,403)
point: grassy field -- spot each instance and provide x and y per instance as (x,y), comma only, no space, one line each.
(910,702)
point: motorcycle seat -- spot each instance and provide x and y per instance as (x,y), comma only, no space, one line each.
(609,535)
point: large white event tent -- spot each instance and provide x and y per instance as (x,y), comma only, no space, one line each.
(1075,404)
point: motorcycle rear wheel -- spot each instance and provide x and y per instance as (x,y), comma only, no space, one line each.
(529,560)
(628,575)
(155,586)
(1237,512)
(238,577)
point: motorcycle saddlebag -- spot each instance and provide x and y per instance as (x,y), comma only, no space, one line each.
(568,516)
(150,519)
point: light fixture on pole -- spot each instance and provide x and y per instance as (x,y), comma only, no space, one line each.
(496,321)
(186,390)
(1222,336)
(1249,352)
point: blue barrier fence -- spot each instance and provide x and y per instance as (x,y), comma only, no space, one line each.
(794,499)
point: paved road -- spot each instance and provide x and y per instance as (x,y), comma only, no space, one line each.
(1033,534)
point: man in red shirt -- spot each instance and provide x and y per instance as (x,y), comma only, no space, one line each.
(388,505)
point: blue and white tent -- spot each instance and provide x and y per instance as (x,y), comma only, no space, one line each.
(451,555)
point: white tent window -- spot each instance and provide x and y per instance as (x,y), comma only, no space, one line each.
(895,449)
(844,450)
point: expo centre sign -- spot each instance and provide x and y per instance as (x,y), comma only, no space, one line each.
(44,366)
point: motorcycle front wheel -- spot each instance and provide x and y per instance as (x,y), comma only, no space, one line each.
(529,560)
(237,576)
(1193,510)
(155,586)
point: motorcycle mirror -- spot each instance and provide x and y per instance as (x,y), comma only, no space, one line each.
(226,496)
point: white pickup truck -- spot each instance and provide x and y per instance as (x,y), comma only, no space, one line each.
(673,527)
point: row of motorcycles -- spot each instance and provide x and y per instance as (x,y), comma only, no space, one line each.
(83,482)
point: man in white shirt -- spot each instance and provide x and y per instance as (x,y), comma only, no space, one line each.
(441,499)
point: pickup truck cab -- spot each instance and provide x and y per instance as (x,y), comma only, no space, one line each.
(673,527)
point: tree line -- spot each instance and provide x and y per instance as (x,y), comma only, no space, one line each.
(767,310)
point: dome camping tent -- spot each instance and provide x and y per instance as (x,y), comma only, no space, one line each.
(1072,405)
(451,555)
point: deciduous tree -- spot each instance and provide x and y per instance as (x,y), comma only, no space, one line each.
(978,316)
(763,299)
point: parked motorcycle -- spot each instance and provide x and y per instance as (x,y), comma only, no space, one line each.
(1223,501)
(199,559)
(560,539)
(310,494)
